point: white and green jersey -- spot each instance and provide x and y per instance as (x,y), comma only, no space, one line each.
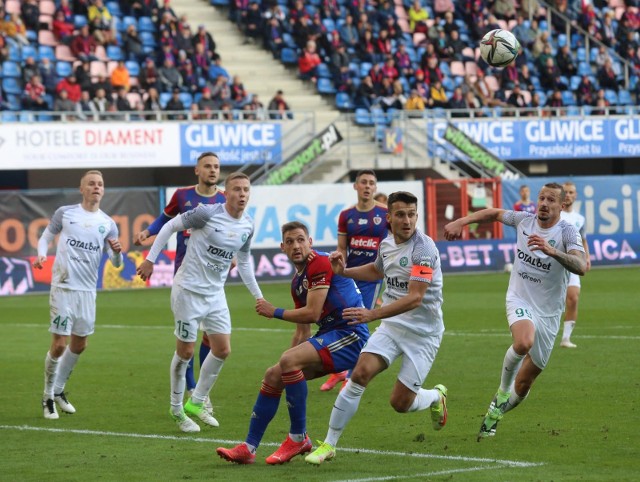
(417,259)
(536,278)
(216,238)
(574,218)
(83,239)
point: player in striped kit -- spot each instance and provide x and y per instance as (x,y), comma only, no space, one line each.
(319,297)
(361,228)
(411,328)
(573,290)
(183,200)
(85,233)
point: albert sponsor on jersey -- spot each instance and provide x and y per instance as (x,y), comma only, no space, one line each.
(535,262)
(219,252)
(396,283)
(87,246)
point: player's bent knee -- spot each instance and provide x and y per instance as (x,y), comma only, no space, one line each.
(400,405)
(273,375)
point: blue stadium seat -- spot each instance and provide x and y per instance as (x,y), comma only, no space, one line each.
(329,24)
(574,82)
(186,99)
(114,52)
(123,25)
(624,98)
(611,96)
(79,21)
(9,117)
(46,51)
(343,101)
(11,69)
(535,81)
(63,69)
(147,39)
(562,40)
(164,98)
(288,40)
(14,53)
(444,68)
(447,83)
(220,3)
(27,117)
(29,51)
(593,54)
(587,109)
(543,97)
(114,9)
(145,24)
(133,67)
(581,54)
(365,67)
(584,69)
(12,85)
(325,86)
(363,117)
(288,56)
(14,102)
(323,71)
(573,110)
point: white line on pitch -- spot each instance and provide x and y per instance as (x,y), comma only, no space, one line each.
(169,327)
(426,474)
(27,428)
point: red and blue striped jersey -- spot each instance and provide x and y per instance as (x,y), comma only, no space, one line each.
(364,231)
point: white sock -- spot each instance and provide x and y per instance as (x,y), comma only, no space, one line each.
(424,399)
(510,367)
(514,401)
(344,408)
(208,375)
(568,329)
(68,361)
(178,382)
(50,367)
(297,437)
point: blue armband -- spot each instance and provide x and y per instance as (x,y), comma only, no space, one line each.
(279,313)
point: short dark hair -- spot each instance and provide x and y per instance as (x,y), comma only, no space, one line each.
(362,172)
(555,185)
(235,175)
(207,154)
(401,196)
(290,226)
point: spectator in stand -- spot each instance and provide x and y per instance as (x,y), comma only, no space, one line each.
(455,46)
(523,32)
(253,22)
(65,105)
(152,104)
(599,98)
(457,102)
(555,102)
(384,47)
(205,39)
(403,61)
(516,99)
(432,72)
(14,29)
(216,70)
(183,40)
(607,32)
(450,24)
(102,83)
(167,12)
(438,96)
(238,92)
(440,7)
(601,107)
(607,78)
(71,86)
(122,102)
(392,96)
(509,77)
(30,12)
(120,77)
(535,105)
(206,104)
(221,92)
(257,107)
(175,106)
(84,45)
(339,59)
(100,23)
(29,69)
(415,104)
(132,45)
(349,33)
(565,62)
(47,72)
(389,69)
(65,8)
(418,17)
(524,78)
(101,102)
(140,8)
(504,9)
(278,107)
(149,75)
(485,93)
(83,75)
(165,53)
(62,30)
(169,76)
(550,76)
(586,92)
(366,48)
(190,80)
(366,94)
(541,46)
(472,103)
(274,37)
(628,45)
(85,109)
(226,112)
(308,62)
(201,61)
(33,97)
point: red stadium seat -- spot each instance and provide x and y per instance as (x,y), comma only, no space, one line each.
(12,6)
(457,69)
(63,52)
(46,38)
(47,7)
(98,69)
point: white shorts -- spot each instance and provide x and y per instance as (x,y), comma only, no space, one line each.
(72,311)
(546,327)
(574,280)
(192,310)
(418,353)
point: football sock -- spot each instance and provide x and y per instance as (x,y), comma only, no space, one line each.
(204,351)
(177,374)
(50,366)
(264,410)
(514,401)
(568,329)
(189,378)
(295,386)
(344,409)
(68,360)
(424,399)
(208,375)
(510,367)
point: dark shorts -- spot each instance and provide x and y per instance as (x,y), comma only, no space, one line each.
(339,349)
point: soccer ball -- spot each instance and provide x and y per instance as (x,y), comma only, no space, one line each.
(508,267)
(499,47)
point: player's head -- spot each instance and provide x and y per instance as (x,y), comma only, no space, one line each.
(365,185)
(403,215)
(550,202)
(296,243)
(525,192)
(208,169)
(570,194)
(237,188)
(92,187)
(381,197)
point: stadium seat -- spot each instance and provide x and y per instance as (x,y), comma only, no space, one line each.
(14,102)
(574,82)
(63,53)
(133,67)
(145,24)
(14,53)
(46,37)
(147,39)
(624,98)
(9,117)
(12,6)
(288,56)
(47,7)
(363,117)
(46,51)
(47,20)
(220,3)
(288,41)
(457,69)
(444,68)
(98,69)
(343,101)
(11,69)
(79,21)
(114,9)
(581,54)
(325,86)
(134,99)
(29,51)
(164,98)
(323,71)
(63,69)
(329,24)
(573,111)
(114,52)
(584,69)
(365,67)
(12,85)
(611,96)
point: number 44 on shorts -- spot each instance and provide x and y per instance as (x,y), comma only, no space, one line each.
(60,322)
(522,312)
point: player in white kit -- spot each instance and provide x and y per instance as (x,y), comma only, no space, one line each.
(411,327)
(218,233)
(548,251)
(86,233)
(573,291)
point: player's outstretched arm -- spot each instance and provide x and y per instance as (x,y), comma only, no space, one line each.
(453,230)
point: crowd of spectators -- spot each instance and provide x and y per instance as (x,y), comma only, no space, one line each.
(87,57)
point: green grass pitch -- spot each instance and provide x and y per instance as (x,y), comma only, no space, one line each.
(581,421)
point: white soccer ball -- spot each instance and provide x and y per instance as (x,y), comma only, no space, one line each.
(499,47)
(508,267)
